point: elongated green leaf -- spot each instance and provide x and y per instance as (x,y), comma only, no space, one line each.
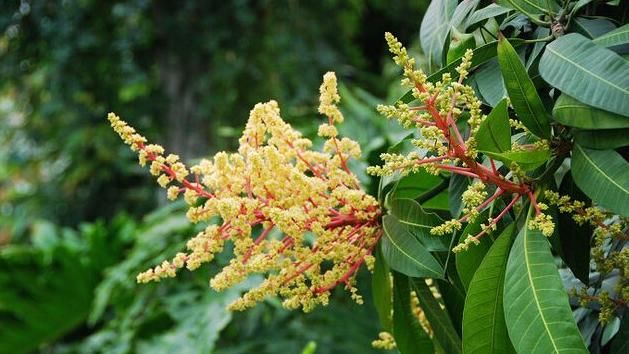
(531,7)
(444,331)
(593,28)
(490,11)
(381,290)
(405,254)
(537,312)
(484,327)
(528,160)
(458,185)
(461,13)
(435,29)
(410,338)
(494,133)
(602,139)
(613,38)
(418,223)
(489,82)
(574,238)
(620,343)
(468,261)
(571,112)
(592,74)
(602,175)
(524,98)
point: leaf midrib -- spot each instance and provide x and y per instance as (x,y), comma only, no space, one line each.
(599,170)
(408,256)
(537,303)
(550,49)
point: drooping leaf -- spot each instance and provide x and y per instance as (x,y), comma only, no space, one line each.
(620,343)
(524,98)
(602,139)
(405,254)
(489,83)
(602,175)
(537,311)
(418,223)
(528,160)
(381,290)
(458,185)
(494,133)
(611,328)
(574,238)
(593,28)
(462,11)
(489,11)
(613,38)
(571,112)
(531,8)
(410,338)
(590,73)
(468,261)
(442,326)
(484,327)
(453,297)
(435,29)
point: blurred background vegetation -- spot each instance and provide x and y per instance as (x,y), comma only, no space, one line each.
(79,218)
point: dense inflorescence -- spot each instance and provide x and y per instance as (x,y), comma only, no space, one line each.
(608,229)
(442,147)
(296,215)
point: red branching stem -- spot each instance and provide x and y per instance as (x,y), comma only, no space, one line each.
(431,159)
(498,217)
(493,166)
(484,204)
(257,241)
(350,272)
(338,151)
(534,203)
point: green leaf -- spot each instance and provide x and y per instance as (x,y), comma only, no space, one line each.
(461,13)
(418,223)
(494,133)
(484,327)
(42,296)
(537,312)
(490,11)
(405,254)
(468,261)
(602,175)
(442,326)
(613,38)
(592,74)
(602,139)
(381,290)
(593,28)
(528,160)
(574,238)
(413,185)
(490,83)
(524,98)
(620,343)
(531,8)
(573,113)
(458,185)
(410,338)
(435,29)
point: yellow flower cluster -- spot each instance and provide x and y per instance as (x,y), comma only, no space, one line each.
(296,215)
